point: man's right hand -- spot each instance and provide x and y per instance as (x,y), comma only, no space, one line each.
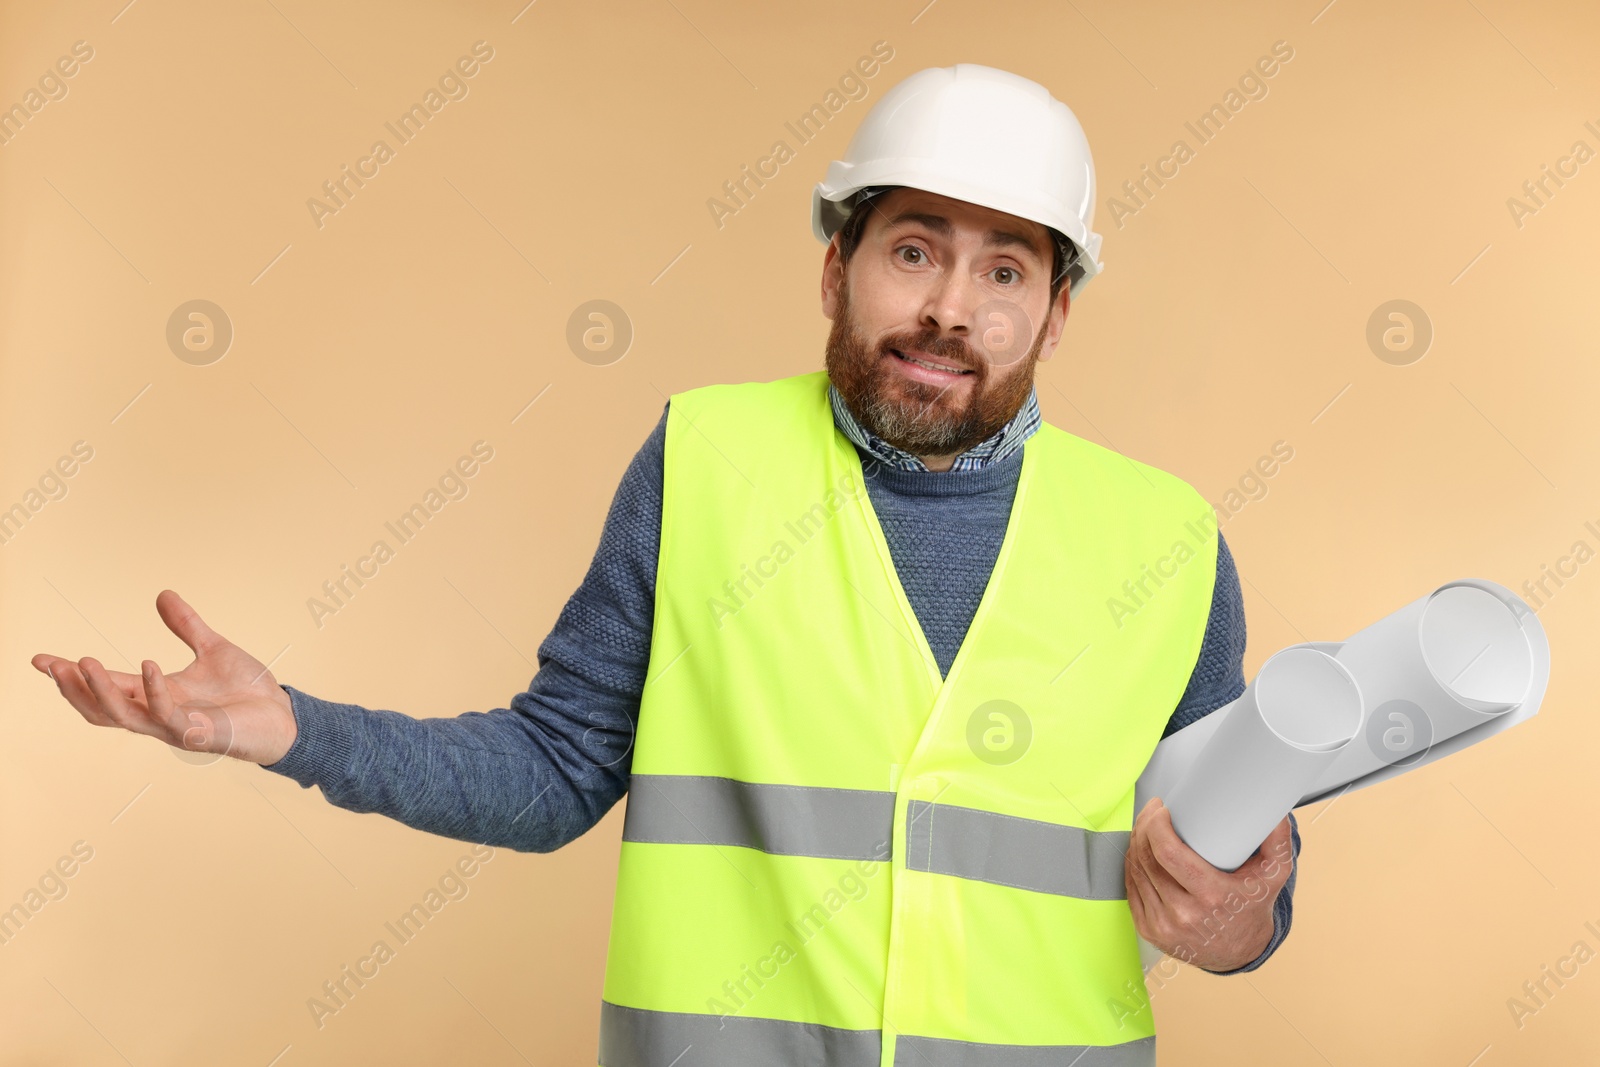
(226,701)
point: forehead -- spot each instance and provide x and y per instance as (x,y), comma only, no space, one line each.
(900,209)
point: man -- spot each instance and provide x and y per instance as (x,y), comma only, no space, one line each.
(877,654)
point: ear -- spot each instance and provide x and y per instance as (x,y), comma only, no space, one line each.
(1055,321)
(832,278)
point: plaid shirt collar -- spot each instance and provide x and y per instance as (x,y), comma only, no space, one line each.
(1005,440)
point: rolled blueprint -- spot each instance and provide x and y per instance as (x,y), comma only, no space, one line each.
(1290,725)
(1443,665)
(1448,670)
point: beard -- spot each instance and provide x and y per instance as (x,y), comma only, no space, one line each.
(919,417)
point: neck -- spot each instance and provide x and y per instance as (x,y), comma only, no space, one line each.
(939,463)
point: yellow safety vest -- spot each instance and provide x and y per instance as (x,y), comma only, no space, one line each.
(833,856)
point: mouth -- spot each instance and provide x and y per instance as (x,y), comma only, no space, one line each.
(927,367)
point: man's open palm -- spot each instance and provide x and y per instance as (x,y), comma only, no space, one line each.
(226,701)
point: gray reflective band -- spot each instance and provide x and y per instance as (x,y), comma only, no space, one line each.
(1007,850)
(857,824)
(634,1037)
(938,1052)
(787,820)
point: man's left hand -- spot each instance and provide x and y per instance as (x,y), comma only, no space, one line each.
(1213,919)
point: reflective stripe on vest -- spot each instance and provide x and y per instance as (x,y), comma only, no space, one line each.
(942,1052)
(792,820)
(631,1037)
(833,854)
(1065,860)
(784,820)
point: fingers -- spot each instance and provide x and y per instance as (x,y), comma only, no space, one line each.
(158,698)
(130,685)
(1187,867)
(1274,860)
(184,621)
(1133,881)
(1149,912)
(74,688)
(49,665)
(1164,912)
(1144,901)
(1276,846)
(1163,894)
(110,699)
(1180,902)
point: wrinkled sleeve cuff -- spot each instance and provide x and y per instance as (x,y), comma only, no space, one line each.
(322,747)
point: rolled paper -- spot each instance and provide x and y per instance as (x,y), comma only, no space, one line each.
(1447,671)
(1445,664)
(1288,727)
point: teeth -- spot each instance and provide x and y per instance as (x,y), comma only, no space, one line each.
(931,366)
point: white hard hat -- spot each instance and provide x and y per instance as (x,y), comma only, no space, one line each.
(978,134)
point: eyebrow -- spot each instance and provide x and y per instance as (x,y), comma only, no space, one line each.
(941,226)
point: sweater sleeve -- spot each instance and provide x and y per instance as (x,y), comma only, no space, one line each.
(1218,675)
(1217,680)
(541,773)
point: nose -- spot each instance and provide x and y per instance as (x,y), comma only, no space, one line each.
(952,304)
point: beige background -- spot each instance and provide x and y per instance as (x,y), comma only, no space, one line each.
(427,314)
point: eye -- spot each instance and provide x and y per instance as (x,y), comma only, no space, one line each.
(911,248)
(1012,272)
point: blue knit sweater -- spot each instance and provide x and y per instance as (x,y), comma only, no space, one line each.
(541,773)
